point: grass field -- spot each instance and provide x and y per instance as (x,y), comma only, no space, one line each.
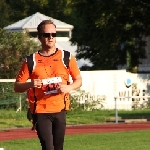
(11,119)
(137,140)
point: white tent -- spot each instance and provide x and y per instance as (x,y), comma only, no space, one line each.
(30,24)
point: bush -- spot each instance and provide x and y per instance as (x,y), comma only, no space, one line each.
(81,100)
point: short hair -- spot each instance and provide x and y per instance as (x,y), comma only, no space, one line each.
(43,23)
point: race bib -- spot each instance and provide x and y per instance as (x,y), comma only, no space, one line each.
(51,85)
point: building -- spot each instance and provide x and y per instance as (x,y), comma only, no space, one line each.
(63,29)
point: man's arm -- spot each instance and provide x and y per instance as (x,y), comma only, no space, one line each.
(77,82)
(76,77)
(22,87)
(21,84)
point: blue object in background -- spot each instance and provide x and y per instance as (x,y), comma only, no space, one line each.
(128,82)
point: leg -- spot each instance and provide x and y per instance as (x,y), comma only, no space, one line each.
(44,131)
(59,126)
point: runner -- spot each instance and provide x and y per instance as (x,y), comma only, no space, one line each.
(49,99)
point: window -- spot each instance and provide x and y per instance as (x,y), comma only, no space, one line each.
(62,33)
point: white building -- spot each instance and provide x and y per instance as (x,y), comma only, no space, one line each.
(63,29)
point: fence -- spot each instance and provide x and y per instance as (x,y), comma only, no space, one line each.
(129,97)
(102,85)
(10,99)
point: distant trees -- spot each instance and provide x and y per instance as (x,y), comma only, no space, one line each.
(5,14)
(108,33)
(24,8)
(14,46)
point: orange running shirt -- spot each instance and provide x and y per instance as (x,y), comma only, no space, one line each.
(46,67)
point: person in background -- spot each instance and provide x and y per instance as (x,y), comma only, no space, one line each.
(49,104)
(29,114)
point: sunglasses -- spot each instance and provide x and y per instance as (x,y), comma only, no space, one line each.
(47,35)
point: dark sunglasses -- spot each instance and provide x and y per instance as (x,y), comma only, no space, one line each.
(47,35)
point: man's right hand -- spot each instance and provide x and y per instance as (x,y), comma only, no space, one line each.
(37,83)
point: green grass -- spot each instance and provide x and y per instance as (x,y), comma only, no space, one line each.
(11,119)
(135,140)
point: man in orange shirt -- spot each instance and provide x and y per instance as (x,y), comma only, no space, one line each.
(49,87)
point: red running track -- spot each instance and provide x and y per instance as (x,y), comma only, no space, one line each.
(26,133)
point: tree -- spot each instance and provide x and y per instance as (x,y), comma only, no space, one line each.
(109,31)
(25,8)
(14,46)
(5,12)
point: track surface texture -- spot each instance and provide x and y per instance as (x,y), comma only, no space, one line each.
(26,133)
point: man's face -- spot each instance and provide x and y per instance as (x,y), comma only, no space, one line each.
(47,37)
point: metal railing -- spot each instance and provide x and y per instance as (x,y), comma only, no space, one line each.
(124,97)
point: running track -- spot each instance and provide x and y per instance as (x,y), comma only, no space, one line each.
(13,134)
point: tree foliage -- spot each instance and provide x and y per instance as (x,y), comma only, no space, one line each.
(25,8)
(109,30)
(108,33)
(5,14)
(14,47)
